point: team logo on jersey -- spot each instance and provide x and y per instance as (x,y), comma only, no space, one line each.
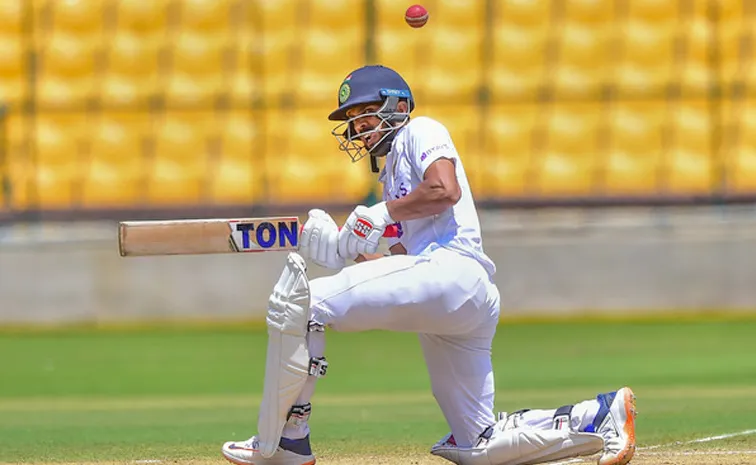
(344,92)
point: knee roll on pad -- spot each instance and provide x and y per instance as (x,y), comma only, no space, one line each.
(288,362)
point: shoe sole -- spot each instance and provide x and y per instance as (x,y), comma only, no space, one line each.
(238,462)
(628,452)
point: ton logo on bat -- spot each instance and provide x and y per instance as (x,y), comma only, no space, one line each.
(265,235)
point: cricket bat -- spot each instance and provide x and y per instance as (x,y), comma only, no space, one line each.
(212,236)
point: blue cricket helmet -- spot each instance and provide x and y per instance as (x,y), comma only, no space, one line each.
(370,84)
(374,84)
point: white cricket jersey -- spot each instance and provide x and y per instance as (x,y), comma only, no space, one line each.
(418,144)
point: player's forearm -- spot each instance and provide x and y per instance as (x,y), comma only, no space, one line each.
(428,199)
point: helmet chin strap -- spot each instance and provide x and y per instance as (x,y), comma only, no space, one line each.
(389,115)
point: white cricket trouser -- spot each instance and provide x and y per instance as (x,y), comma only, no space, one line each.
(448,300)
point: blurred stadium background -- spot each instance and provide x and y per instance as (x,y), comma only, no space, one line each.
(612,143)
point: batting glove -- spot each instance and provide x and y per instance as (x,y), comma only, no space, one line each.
(320,240)
(363,230)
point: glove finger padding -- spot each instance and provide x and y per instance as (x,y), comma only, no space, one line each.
(320,240)
(305,240)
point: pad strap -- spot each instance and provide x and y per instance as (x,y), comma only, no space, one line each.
(562,417)
(298,415)
(318,367)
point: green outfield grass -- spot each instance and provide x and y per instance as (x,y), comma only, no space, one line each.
(178,393)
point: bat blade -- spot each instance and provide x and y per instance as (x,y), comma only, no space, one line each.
(212,236)
(208,236)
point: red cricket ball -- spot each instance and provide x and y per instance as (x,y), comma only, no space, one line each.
(416,16)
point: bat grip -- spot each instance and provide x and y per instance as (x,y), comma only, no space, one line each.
(392,230)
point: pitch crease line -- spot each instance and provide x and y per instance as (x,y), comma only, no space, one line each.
(683,443)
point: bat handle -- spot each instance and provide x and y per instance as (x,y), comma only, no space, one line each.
(392,230)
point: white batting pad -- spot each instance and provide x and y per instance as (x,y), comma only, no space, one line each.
(522,446)
(287,362)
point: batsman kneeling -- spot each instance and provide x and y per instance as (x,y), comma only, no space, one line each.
(437,282)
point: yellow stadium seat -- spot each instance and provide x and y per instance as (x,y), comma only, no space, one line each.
(653,10)
(690,171)
(77,16)
(696,73)
(235,181)
(589,11)
(437,62)
(21,174)
(13,70)
(279,16)
(691,124)
(276,63)
(11,18)
(238,174)
(327,57)
(205,15)
(59,137)
(462,14)
(529,12)
(561,174)
(335,14)
(69,55)
(304,165)
(741,166)
(181,159)
(506,163)
(68,70)
(18,164)
(17,129)
(742,173)
(569,161)
(647,59)
(734,31)
(59,152)
(41,18)
(519,69)
(197,70)
(117,161)
(389,14)
(133,72)
(689,167)
(636,145)
(400,49)
(451,67)
(583,60)
(144,18)
(245,68)
(57,92)
(731,11)
(55,187)
(241,136)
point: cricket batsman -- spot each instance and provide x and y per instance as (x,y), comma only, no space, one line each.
(436,282)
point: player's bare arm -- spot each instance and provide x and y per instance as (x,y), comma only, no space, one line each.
(438,192)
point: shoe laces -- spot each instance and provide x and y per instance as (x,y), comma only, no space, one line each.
(251,443)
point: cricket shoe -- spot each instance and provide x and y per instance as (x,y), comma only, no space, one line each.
(615,422)
(290,452)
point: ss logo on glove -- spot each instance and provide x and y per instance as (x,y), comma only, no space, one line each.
(362,227)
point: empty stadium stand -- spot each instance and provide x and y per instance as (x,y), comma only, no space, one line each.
(160,103)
